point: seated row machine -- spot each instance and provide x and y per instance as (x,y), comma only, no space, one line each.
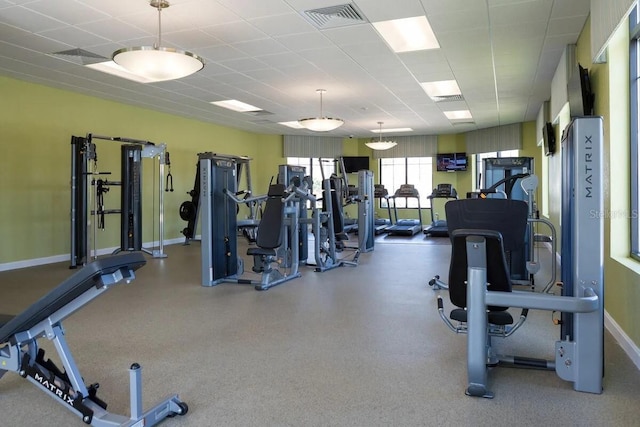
(20,352)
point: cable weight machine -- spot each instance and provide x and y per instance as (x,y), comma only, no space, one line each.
(88,188)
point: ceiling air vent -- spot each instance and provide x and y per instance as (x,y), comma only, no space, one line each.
(446,98)
(259,113)
(79,56)
(335,16)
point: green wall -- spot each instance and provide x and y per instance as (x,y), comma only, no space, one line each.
(36,124)
(622,273)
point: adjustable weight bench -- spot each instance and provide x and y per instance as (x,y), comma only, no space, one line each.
(19,351)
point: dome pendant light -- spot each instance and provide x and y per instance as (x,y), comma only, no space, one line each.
(155,62)
(380,144)
(321,124)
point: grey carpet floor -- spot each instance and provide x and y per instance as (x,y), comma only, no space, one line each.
(354,346)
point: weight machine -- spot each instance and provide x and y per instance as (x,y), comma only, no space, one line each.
(88,189)
(484,286)
(190,209)
(218,206)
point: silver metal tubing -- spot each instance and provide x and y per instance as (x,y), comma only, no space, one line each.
(589,302)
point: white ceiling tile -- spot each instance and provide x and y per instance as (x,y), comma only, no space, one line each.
(191,39)
(71,35)
(260,47)
(376,10)
(299,42)
(512,13)
(220,53)
(571,25)
(242,65)
(281,25)
(565,9)
(68,11)
(113,29)
(249,9)
(28,20)
(234,32)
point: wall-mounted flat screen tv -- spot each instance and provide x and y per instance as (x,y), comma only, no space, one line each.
(353,164)
(451,162)
(548,139)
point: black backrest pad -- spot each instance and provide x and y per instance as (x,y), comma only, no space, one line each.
(271,223)
(69,290)
(507,216)
(502,222)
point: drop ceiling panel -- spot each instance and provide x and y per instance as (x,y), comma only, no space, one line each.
(267,51)
(511,13)
(248,9)
(282,25)
(190,40)
(68,11)
(451,22)
(571,25)
(234,32)
(28,20)
(376,10)
(113,29)
(439,6)
(260,47)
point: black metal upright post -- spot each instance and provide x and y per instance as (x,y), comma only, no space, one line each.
(131,216)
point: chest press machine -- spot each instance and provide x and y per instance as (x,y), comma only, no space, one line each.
(20,352)
(480,283)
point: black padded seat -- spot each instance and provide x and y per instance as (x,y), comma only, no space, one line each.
(270,229)
(261,251)
(500,318)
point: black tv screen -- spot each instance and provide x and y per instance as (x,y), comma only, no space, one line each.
(451,162)
(581,96)
(353,164)
(548,139)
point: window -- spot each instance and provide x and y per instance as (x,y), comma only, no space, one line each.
(634,101)
(316,168)
(480,163)
(410,170)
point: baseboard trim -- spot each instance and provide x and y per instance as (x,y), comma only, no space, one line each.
(622,339)
(67,257)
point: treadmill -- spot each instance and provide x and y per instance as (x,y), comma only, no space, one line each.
(438,227)
(381,224)
(405,227)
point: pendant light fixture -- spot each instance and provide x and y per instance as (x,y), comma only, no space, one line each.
(155,62)
(380,144)
(321,124)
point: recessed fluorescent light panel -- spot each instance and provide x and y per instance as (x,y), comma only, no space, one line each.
(441,88)
(112,68)
(294,124)
(407,34)
(391,130)
(458,115)
(235,105)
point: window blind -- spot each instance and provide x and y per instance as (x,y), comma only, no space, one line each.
(606,16)
(312,146)
(499,138)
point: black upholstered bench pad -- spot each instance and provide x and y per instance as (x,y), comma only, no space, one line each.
(67,291)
